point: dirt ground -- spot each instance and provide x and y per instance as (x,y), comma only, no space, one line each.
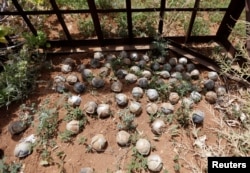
(114,157)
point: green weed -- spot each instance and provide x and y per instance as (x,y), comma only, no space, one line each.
(86,27)
(10,168)
(137,163)
(127,121)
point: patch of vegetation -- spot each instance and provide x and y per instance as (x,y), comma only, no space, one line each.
(127,121)
(86,27)
(137,163)
(10,168)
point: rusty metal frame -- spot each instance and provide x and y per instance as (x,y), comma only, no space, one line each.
(232,13)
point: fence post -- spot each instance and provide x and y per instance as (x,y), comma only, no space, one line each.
(25,18)
(96,20)
(248,26)
(60,18)
(129,19)
(163,4)
(191,23)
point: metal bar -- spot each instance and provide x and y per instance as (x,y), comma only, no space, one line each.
(233,13)
(124,41)
(25,18)
(162,7)
(129,19)
(60,19)
(191,23)
(109,11)
(247,7)
(96,20)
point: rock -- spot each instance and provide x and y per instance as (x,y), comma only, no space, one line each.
(167,67)
(123,138)
(17,127)
(135,69)
(198,116)
(73,126)
(195,74)
(104,71)
(134,56)
(97,82)
(164,74)
(98,56)
(116,86)
(142,82)
(174,98)
(143,146)
(121,73)
(195,96)
(137,92)
(66,68)
(69,61)
(173,61)
(155,66)
(87,170)
(151,108)
(190,67)
(79,87)
(211,97)
(221,91)
(23,149)
(209,84)
(86,74)
(152,94)
(131,78)
(95,63)
(167,108)
(213,75)
(179,68)
(183,60)
(71,79)
(154,163)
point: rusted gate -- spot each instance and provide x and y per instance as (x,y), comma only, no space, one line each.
(232,13)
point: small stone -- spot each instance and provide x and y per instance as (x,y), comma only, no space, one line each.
(179,68)
(195,74)
(143,82)
(164,74)
(98,56)
(81,67)
(66,68)
(98,82)
(134,56)
(145,57)
(17,127)
(155,66)
(213,75)
(126,61)
(86,74)
(121,73)
(142,64)
(174,98)
(79,87)
(221,91)
(72,79)
(143,146)
(188,103)
(167,67)
(147,74)
(73,126)
(23,149)
(183,60)
(167,108)
(173,61)
(154,163)
(69,61)
(137,92)
(104,71)
(209,84)
(161,59)
(123,54)
(211,97)
(190,67)
(135,69)
(95,63)
(131,78)
(87,170)
(151,108)
(176,75)
(198,116)
(152,94)
(195,96)
(122,138)
(116,86)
